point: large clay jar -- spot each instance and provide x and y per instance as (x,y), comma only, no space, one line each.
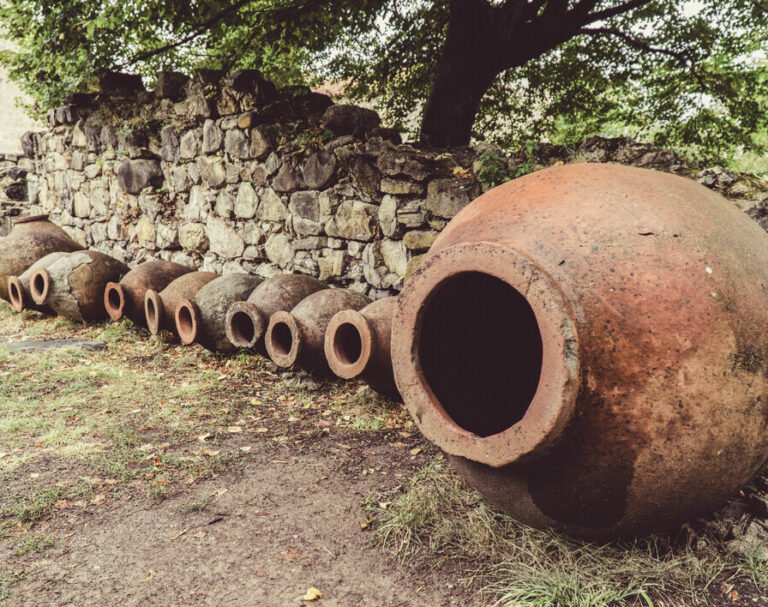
(74,285)
(202,320)
(18,286)
(297,337)
(160,308)
(30,239)
(357,344)
(247,320)
(126,298)
(590,344)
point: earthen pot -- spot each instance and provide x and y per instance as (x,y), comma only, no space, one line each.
(357,344)
(590,345)
(126,298)
(74,285)
(202,320)
(18,286)
(160,308)
(297,337)
(247,321)
(30,239)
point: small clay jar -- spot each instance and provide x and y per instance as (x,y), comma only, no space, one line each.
(126,298)
(74,285)
(202,320)
(18,286)
(247,321)
(357,345)
(30,239)
(160,307)
(297,337)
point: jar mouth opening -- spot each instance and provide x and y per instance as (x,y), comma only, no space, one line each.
(480,349)
(485,353)
(348,344)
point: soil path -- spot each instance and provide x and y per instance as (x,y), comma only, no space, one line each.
(274,525)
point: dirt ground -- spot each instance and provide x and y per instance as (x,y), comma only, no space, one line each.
(248,489)
(278,522)
(143,472)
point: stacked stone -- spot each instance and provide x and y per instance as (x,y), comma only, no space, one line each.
(13,188)
(229,174)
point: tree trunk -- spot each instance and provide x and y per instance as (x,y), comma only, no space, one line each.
(466,69)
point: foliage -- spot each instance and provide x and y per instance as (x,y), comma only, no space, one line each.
(683,74)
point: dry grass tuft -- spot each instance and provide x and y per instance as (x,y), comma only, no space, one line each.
(520,566)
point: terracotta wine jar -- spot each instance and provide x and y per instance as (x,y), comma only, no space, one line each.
(247,320)
(357,344)
(74,285)
(30,239)
(202,320)
(126,298)
(297,337)
(18,286)
(590,345)
(160,308)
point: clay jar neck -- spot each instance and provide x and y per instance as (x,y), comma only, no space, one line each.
(153,311)
(114,300)
(245,324)
(188,321)
(486,354)
(349,341)
(284,339)
(40,286)
(16,294)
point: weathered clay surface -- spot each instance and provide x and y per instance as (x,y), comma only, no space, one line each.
(127,297)
(160,308)
(298,337)
(247,321)
(202,321)
(18,286)
(357,344)
(74,285)
(30,239)
(590,345)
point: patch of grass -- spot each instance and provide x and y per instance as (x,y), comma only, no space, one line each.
(28,509)
(521,566)
(197,506)
(36,543)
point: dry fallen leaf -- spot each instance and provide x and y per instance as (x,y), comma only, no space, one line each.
(200,534)
(205,451)
(245,449)
(150,575)
(219,492)
(415,451)
(178,535)
(313,594)
(203,437)
(235,429)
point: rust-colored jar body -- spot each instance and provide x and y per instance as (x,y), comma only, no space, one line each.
(298,337)
(160,308)
(357,344)
(126,298)
(74,285)
(30,239)
(18,286)
(247,321)
(590,344)
(202,320)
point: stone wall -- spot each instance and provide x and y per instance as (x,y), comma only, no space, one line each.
(231,175)
(13,188)
(228,174)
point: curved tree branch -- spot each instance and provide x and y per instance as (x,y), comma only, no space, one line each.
(682,57)
(616,10)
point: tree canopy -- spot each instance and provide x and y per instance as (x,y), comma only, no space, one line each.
(687,74)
